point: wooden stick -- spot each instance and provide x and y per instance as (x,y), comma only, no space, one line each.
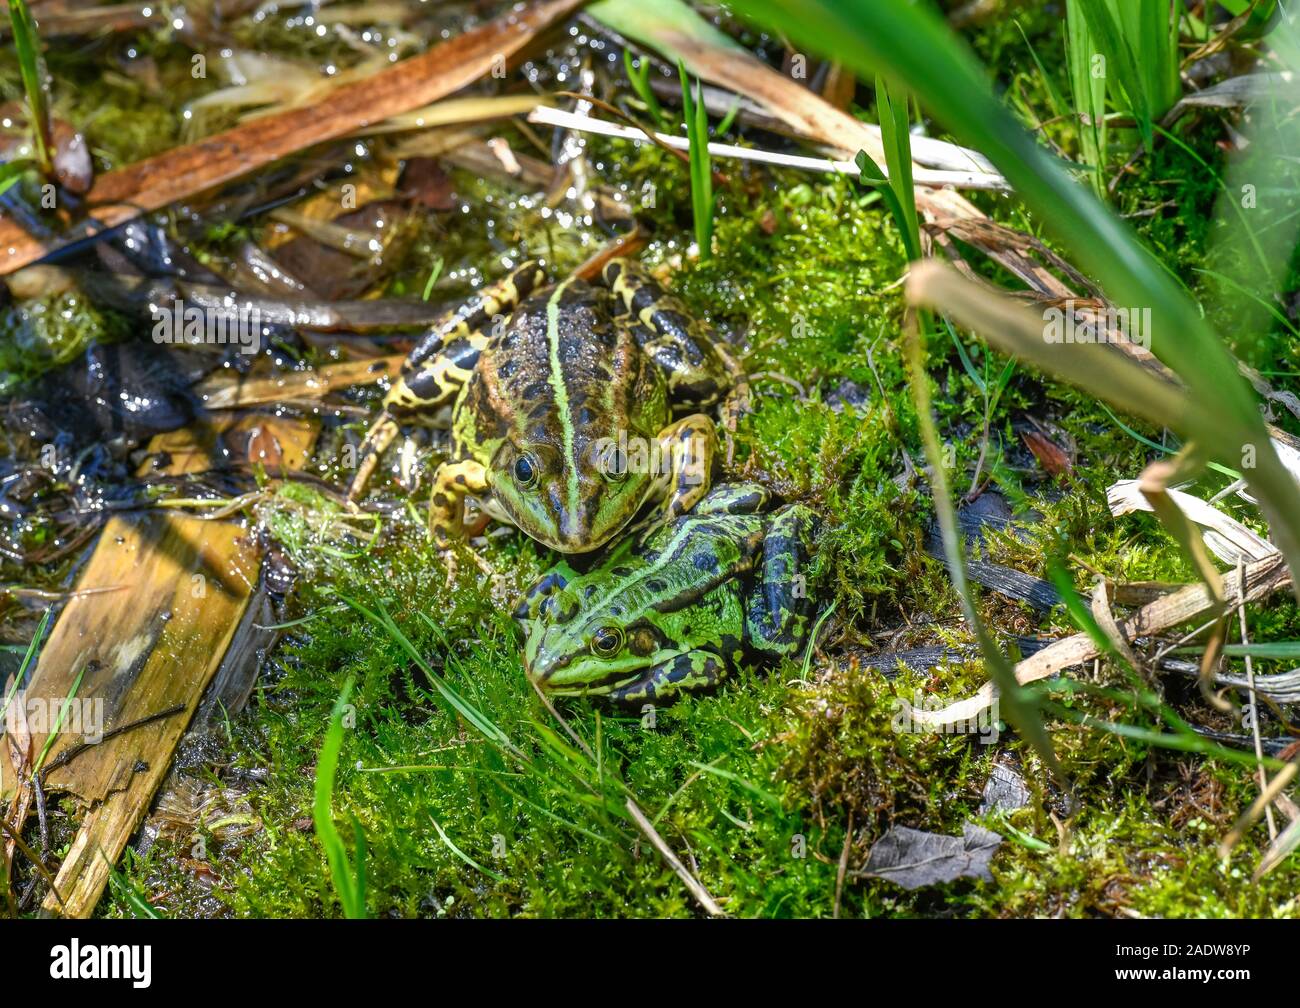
(548,116)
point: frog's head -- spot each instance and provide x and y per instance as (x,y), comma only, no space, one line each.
(582,637)
(594,656)
(573,493)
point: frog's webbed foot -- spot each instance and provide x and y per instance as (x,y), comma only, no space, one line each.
(733,498)
(694,670)
(780,607)
(378,438)
(451,565)
(430,385)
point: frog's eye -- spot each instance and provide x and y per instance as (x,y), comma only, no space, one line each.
(611,463)
(616,471)
(526,470)
(606,641)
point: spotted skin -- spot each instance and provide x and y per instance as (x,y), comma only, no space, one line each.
(679,608)
(537,403)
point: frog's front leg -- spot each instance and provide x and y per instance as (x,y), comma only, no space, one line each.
(452,483)
(431,384)
(543,594)
(440,364)
(693,670)
(780,607)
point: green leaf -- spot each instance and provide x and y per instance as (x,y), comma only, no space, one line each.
(892,108)
(872,175)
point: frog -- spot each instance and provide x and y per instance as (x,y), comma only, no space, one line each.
(574,407)
(678,608)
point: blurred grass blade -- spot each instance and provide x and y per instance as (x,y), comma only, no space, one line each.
(31,66)
(647,20)
(1095,368)
(1288,840)
(1015,329)
(1017,702)
(1020,706)
(10,173)
(1257,214)
(913,45)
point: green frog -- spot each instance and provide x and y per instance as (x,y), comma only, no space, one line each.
(565,408)
(677,608)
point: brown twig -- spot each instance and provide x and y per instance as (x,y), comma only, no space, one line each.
(32,856)
(692,883)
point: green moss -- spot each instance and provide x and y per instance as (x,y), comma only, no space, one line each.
(44,333)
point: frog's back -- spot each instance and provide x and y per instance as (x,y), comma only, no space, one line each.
(675,566)
(561,373)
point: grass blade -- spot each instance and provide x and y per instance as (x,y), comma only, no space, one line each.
(26,663)
(31,66)
(1089,92)
(1118,54)
(697,131)
(58,722)
(348,884)
(892,108)
(639,78)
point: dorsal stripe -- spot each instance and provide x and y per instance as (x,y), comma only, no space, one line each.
(558,386)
